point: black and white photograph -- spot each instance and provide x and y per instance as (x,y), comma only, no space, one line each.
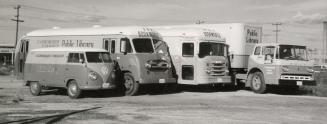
(163,61)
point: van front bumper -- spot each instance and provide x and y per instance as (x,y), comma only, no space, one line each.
(297,82)
(215,80)
(98,87)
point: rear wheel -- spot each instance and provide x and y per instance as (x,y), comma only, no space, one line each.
(131,86)
(35,88)
(73,90)
(258,84)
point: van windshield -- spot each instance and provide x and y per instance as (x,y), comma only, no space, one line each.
(291,52)
(211,49)
(143,45)
(98,57)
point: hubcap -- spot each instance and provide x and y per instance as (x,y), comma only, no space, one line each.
(256,82)
(128,83)
(34,87)
(73,89)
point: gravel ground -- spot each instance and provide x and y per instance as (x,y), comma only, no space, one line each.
(186,107)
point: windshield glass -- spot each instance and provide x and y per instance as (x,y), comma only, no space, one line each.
(292,52)
(98,57)
(212,49)
(143,45)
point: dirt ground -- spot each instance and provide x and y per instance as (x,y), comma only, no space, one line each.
(186,107)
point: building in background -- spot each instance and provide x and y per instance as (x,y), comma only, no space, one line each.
(6,54)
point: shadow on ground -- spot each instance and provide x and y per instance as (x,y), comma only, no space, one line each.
(48,119)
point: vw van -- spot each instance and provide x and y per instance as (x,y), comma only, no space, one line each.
(75,69)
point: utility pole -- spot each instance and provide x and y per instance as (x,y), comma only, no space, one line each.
(277,24)
(17,22)
(199,22)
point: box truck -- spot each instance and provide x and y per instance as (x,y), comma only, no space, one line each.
(258,64)
(131,47)
(199,55)
(75,69)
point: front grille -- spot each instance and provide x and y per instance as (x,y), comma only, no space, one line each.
(295,77)
(217,69)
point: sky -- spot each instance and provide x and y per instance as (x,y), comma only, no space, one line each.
(301,19)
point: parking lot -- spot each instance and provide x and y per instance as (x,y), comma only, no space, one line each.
(188,107)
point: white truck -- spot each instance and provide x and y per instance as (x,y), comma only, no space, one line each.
(199,55)
(258,64)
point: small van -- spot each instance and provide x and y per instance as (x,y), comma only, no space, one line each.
(75,69)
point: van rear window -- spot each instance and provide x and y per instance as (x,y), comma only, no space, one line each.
(96,57)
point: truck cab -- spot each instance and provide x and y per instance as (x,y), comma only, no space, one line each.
(279,64)
(199,55)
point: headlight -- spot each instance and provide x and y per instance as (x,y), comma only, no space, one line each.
(226,72)
(310,70)
(147,65)
(93,75)
(285,68)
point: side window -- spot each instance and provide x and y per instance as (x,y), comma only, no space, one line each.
(127,46)
(112,46)
(257,50)
(26,46)
(73,58)
(188,49)
(268,51)
(106,44)
(81,56)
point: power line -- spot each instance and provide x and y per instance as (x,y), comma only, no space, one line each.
(277,24)
(17,20)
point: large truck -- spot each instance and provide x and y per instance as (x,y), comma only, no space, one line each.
(259,64)
(131,47)
(199,55)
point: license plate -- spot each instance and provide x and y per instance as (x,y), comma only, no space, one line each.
(299,83)
(219,80)
(162,81)
(105,85)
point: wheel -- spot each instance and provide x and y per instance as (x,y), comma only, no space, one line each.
(73,90)
(35,88)
(258,84)
(131,86)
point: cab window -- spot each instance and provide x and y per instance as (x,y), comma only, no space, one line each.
(257,50)
(188,49)
(73,58)
(128,45)
(268,51)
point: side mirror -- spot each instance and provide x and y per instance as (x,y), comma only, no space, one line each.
(123,46)
(268,59)
(81,61)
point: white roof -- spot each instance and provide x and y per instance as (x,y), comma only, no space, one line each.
(186,31)
(276,44)
(127,30)
(69,49)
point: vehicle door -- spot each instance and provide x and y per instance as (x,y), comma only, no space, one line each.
(76,67)
(187,74)
(21,58)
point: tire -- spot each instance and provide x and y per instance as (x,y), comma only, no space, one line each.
(35,88)
(73,90)
(131,86)
(258,84)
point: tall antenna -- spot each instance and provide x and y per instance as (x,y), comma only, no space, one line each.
(17,21)
(277,24)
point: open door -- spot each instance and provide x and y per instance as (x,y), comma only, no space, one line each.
(21,58)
